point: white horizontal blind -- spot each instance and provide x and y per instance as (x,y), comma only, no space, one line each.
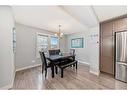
(42,44)
(54,42)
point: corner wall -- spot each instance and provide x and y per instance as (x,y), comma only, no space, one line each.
(94,49)
(6,48)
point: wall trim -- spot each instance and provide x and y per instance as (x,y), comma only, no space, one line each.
(95,73)
(27,67)
(91,71)
(84,62)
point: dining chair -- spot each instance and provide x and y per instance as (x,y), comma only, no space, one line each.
(54,52)
(51,52)
(72,52)
(57,51)
(45,64)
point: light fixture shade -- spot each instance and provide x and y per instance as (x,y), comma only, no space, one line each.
(56,34)
(59,34)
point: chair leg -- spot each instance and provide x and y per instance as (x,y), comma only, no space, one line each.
(42,69)
(76,65)
(52,69)
(56,69)
(45,73)
(61,73)
(70,66)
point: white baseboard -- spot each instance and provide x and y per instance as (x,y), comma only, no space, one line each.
(95,73)
(83,62)
(28,67)
(91,71)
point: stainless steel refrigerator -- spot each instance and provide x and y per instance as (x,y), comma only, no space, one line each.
(121,56)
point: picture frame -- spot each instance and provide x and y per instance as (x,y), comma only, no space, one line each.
(77,43)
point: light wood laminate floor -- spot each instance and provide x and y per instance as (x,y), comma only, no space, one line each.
(80,79)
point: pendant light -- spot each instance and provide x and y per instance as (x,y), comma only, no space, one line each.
(59,34)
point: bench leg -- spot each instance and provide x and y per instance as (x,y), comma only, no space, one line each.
(61,73)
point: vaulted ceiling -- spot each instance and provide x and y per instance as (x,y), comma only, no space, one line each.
(84,14)
(72,18)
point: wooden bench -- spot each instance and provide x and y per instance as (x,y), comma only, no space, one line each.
(62,66)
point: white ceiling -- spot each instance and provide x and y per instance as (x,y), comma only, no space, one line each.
(72,18)
(84,14)
(108,12)
(47,17)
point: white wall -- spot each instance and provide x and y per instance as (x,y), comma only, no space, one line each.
(26,46)
(90,53)
(6,48)
(63,44)
(82,54)
(94,49)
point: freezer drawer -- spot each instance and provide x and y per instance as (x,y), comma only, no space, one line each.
(121,71)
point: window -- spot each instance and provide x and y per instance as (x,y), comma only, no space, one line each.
(42,43)
(54,42)
(46,42)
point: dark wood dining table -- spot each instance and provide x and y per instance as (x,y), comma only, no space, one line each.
(56,58)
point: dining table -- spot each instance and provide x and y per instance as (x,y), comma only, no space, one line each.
(57,59)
